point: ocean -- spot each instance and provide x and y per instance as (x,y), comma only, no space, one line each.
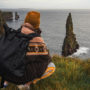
(53,28)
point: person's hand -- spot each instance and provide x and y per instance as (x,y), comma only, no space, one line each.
(26,30)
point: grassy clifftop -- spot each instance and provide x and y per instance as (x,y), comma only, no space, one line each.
(70,74)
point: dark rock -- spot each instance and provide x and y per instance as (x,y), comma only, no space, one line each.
(8,16)
(16,16)
(70,44)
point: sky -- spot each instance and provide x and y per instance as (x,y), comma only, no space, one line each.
(46,4)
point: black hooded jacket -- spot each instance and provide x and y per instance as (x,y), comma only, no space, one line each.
(35,66)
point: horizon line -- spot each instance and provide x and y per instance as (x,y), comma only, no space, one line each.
(51,9)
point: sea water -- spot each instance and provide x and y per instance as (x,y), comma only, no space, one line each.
(53,26)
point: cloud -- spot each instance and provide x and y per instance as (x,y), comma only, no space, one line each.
(45,4)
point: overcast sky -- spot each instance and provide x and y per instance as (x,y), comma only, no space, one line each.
(46,4)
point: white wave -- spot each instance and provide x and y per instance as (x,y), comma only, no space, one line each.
(13,16)
(81,51)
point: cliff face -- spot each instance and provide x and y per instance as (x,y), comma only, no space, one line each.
(7,16)
(70,44)
(1,24)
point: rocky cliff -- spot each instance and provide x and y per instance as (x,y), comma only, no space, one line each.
(8,16)
(70,45)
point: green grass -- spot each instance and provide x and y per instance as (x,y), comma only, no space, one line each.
(70,74)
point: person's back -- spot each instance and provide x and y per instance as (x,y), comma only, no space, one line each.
(39,61)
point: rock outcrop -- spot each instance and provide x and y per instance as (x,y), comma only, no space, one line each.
(16,16)
(8,16)
(70,44)
(2,21)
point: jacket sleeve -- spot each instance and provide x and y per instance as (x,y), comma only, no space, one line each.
(8,29)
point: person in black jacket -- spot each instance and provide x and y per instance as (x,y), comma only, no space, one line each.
(38,55)
(38,61)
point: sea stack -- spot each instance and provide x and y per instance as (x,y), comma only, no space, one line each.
(16,16)
(70,45)
(1,23)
